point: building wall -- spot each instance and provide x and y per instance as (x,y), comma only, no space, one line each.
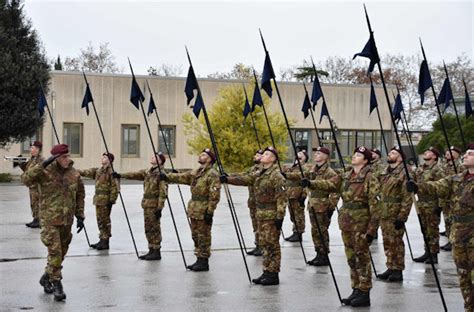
(347,104)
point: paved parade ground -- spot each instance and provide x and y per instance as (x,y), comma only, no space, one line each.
(115,280)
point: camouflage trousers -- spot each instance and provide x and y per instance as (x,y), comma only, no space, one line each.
(296,215)
(253,211)
(393,245)
(357,254)
(201,234)
(464,259)
(103,221)
(34,202)
(431,221)
(152,228)
(56,238)
(269,237)
(324,222)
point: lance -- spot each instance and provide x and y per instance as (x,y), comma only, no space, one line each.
(252,117)
(406,130)
(221,171)
(456,112)
(407,173)
(159,170)
(320,141)
(59,142)
(169,156)
(380,122)
(439,112)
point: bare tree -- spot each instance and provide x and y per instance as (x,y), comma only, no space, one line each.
(101,61)
(166,70)
(240,71)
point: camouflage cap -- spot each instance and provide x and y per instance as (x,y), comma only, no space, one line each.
(434,150)
(209,152)
(397,149)
(322,149)
(260,151)
(110,156)
(38,144)
(272,150)
(367,152)
(60,149)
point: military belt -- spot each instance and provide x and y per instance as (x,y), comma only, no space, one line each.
(392,199)
(101,192)
(463,219)
(355,206)
(266,205)
(199,198)
(149,196)
(427,198)
(318,195)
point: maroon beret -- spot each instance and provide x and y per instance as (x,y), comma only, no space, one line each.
(434,151)
(322,149)
(211,154)
(367,152)
(60,149)
(471,146)
(38,144)
(259,152)
(456,149)
(272,150)
(397,149)
(161,157)
(377,151)
(110,156)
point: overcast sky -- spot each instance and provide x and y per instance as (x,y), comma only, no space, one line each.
(220,34)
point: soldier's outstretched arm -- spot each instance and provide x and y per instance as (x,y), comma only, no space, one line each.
(88,173)
(34,174)
(442,187)
(241,179)
(180,178)
(80,195)
(138,175)
(332,184)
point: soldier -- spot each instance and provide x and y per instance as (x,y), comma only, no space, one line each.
(205,195)
(296,198)
(357,220)
(377,168)
(62,198)
(106,192)
(155,192)
(395,204)
(271,198)
(460,191)
(35,151)
(428,205)
(445,204)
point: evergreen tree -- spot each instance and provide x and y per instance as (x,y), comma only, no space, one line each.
(58,65)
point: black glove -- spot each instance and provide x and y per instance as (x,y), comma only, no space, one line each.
(283,174)
(163,176)
(398,224)
(174,171)
(48,161)
(370,238)
(109,205)
(116,175)
(329,213)
(305,182)
(438,211)
(302,200)
(79,224)
(223,178)
(412,187)
(158,214)
(278,224)
(208,218)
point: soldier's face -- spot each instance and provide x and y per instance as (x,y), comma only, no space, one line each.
(256,158)
(429,155)
(204,158)
(64,160)
(34,151)
(104,160)
(393,157)
(301,157)
(447,155)
(153,160)
(267,158)
(375,156)
(358,159)
(469,159)
(320,157)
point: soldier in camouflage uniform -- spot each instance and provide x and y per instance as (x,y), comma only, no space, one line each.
(271,199)
(106,192)
(357,220)
(395,204)
(428,205)
(62,198)
(155,192)
(377,168)
(445,204)
(35,151)
(460,191)
(296,198)
(205,195)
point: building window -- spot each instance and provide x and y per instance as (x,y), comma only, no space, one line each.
(168,137)
(302,140)
(25,145)
(130,140)
(72,136)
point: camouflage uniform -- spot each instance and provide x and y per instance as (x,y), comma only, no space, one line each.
(62,197)
(428,205)
(205,195)
(155,193)
(106,192)
(357,218)
(271,200)
(459,189)
(34,189)
(445,203)
(296,197)
(395,204)
(377,167)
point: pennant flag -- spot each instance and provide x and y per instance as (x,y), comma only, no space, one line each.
(397,108)
(317,91)
(324,112)
(467,102)
(257,96)
(267,75)
(191,84)
(247,108)
(151,105)
(87,99)
(198,105)
(136,95)
(306,106)
(424,81)
(370,51)
(42,103)
(446,94)
(373,98)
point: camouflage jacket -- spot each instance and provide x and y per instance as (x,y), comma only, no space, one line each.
(377,167)
(251,200)
(449,168)
(460,191)
(322,201)
(294,189)
(106,187)
(61,193)
(358,191)
(155,191)
(205,190)
(425,173)
(395,201)
(270,191)
(30,163)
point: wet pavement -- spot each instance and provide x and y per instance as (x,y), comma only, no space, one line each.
(115,280)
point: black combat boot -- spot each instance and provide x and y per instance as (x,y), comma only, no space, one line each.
(270,279)
(202,264)
(362,299)
(434,257)
(96,244)
(258,252)
(143,257)
(385,275)
(396,276)
(258,280)
(295,237)
(103,244)
(322,261)
(447,247)
(35,224)
(191,266)
(47,286)
(311,262)
(347,301)
(58,292)
(154,254)
(422,258)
